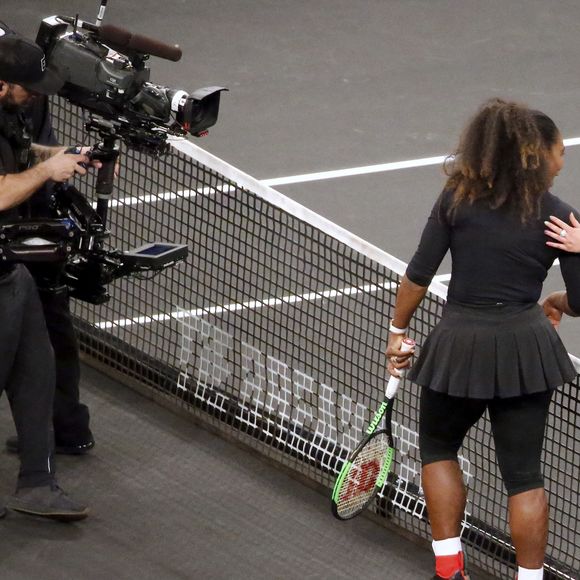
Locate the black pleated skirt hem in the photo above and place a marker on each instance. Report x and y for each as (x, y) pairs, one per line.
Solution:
(492, 351)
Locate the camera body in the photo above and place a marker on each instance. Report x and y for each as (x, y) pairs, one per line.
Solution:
(105, 72)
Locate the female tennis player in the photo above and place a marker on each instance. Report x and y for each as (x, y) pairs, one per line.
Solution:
(494, 348)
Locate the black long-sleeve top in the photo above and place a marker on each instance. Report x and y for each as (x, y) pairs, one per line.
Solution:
(495, 258)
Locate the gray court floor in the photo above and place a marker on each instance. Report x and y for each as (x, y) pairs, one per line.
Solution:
(171, 501)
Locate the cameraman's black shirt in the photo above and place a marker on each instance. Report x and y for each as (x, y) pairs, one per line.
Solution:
(14, 148)
(17, 132)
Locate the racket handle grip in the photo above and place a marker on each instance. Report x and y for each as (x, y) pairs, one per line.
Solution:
(393, 384)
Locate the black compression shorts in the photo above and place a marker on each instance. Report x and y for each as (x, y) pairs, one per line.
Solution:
(518, 426)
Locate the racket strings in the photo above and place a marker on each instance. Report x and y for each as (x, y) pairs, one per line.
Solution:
(358, 486)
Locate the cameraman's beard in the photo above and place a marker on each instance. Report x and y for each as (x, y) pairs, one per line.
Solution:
(10, 105)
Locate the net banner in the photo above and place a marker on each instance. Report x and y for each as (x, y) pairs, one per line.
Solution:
(274, 331)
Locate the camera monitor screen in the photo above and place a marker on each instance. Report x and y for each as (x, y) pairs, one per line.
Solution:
(155, 249)
(156, 254)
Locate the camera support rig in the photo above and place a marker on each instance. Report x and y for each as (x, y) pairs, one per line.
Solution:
(76, 236)
(107, 152)
(88, 273)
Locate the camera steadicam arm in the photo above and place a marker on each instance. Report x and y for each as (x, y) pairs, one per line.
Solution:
(89, 271)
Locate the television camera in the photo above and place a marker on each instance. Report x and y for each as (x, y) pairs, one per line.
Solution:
(106, 74)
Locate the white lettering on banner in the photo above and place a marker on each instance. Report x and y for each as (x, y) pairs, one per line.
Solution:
(213, 368)
(312, 406)
(351, 417)
(267, 383)
(253, 383)
(326, 413)
(186, 351)
(279, 395)
(304, 396)
(272, 394)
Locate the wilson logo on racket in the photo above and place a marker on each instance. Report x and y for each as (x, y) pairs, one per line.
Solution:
(369, 474)
(377, 419)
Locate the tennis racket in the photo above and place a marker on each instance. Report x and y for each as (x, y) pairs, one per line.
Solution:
(363, 474)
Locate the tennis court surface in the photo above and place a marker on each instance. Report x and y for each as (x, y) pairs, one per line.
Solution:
(171, 501)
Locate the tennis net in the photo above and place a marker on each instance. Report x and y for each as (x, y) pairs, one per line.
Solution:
(273, 332)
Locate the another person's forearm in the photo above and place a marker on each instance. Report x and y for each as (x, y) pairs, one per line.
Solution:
(563, 236)
(60, 166)
(559, 301)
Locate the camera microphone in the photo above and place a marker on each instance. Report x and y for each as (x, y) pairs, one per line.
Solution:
(107, 74)
(121, 38)
(115, 36)
(154, 47)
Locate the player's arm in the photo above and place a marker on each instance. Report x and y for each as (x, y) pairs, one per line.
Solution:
(409, 296)
(433, 246)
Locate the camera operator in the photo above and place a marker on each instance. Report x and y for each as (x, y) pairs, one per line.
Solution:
(72, 434)
(27, 369)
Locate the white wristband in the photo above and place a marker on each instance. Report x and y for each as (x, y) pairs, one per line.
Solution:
(396, 330)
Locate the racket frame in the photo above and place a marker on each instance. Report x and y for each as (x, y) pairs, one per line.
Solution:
(372, 432)
(385, 411)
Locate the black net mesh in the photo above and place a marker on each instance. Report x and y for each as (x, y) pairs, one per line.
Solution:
(274, 331)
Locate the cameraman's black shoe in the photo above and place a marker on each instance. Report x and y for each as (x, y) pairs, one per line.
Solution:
(61, 448)
(47, 501)
(459, 575)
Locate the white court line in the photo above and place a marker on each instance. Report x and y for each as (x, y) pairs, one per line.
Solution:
(412, 163)
(306, 177)
(251, 305)
(367, 169)
(169, 195)
(442, 278)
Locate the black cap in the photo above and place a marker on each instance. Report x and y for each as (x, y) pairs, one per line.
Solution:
(23, 62)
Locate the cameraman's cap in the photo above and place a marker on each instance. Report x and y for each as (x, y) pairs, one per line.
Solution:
(22, 62)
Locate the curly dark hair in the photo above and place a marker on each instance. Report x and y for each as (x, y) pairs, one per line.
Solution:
(501, 158)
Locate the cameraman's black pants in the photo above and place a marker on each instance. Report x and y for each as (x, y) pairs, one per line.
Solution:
(71, 417)
(27, 374)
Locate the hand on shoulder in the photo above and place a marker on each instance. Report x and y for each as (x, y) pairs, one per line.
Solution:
(563, 236)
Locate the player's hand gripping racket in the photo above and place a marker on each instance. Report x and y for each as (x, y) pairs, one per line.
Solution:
(363, 474)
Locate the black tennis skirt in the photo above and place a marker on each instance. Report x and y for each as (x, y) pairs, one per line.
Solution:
(483, 352)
